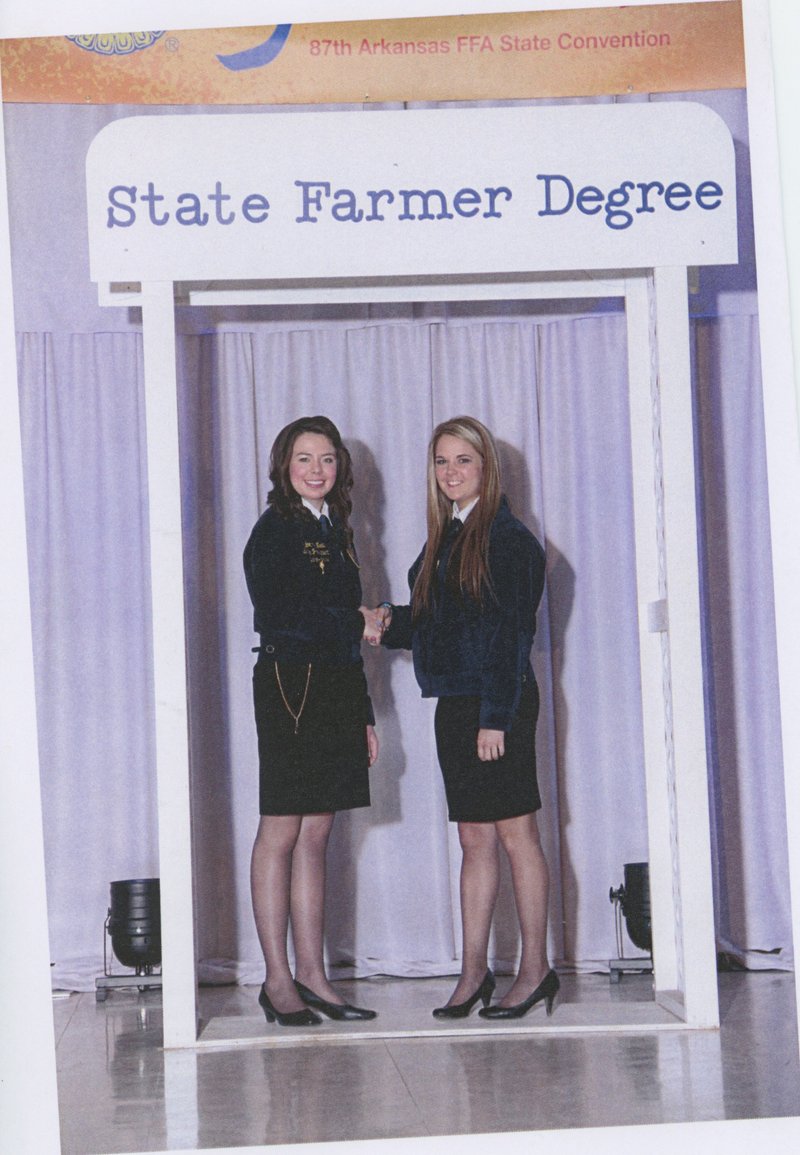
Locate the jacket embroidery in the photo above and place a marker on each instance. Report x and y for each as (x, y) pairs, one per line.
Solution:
(318, 553)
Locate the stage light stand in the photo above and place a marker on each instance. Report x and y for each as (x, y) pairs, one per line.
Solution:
(133, 924)
(632, 900)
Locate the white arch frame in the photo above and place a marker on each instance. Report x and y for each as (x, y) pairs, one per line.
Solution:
(143, 226)
(669, 622)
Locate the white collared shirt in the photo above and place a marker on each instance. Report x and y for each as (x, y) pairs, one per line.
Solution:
(318, 513)
(463, 514)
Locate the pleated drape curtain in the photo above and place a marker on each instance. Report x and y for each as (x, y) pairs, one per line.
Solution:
(555, 395)
(552, 384)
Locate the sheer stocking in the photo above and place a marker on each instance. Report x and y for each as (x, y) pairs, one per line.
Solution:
(479, 882)
(307, 904)
(531, 882)
(270, 885)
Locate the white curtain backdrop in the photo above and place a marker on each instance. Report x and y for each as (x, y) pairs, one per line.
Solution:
(552, 384)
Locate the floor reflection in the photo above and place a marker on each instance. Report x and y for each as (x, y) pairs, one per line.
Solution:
(120, 1092)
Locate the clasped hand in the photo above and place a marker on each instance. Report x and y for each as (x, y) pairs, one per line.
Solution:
(375, 623)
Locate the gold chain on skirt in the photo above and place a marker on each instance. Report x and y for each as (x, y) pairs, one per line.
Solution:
(298, 715)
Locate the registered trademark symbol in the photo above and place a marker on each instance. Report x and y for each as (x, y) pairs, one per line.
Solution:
(172, 44)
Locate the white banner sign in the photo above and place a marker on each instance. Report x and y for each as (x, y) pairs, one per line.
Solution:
(439, 191)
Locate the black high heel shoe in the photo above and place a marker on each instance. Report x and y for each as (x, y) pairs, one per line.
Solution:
(339, 1011)
(461, 1010)
(547, 989)
(304, 1018)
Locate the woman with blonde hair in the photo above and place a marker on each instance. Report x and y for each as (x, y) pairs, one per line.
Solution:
(475, 589)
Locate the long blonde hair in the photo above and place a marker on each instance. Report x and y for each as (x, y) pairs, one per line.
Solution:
(471, 551)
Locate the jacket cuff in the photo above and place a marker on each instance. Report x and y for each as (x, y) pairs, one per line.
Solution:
(492, 718)
(399, 633)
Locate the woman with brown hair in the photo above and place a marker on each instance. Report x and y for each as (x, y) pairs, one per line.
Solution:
(314, 718)
(475, 589)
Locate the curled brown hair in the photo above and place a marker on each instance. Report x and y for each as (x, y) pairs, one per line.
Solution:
(284, 497)
(471, 552)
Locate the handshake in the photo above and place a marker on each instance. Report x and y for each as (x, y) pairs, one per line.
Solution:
(376, 622)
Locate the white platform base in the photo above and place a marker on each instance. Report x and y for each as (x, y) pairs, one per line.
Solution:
(404, 1011)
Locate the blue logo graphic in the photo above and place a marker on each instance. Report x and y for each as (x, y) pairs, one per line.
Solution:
(260, 55)
(116, 43)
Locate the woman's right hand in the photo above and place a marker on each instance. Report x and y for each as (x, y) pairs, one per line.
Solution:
(491, 745)
(374, 624)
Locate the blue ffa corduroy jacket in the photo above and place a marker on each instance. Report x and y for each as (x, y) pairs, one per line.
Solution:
(305, 591)
(463, 647)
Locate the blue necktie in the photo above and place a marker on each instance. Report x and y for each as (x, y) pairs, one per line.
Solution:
(324, 526)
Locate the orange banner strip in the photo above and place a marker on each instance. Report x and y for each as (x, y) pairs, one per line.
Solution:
(577, 52)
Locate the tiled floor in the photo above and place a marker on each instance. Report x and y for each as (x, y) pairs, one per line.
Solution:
(120, 1092)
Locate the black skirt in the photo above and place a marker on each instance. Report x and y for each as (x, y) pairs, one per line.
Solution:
(487, 791)
(312, 738)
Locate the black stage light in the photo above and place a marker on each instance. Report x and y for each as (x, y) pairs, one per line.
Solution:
(632, 900)
(133, 924)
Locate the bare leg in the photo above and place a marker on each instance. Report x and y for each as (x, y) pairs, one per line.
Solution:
(270, 884)
(480, 879)
(308, 904)
(531, 881)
